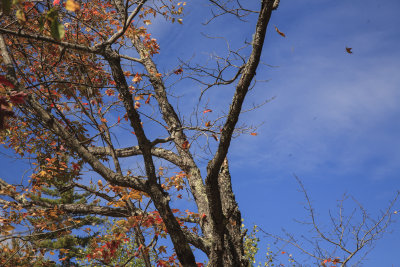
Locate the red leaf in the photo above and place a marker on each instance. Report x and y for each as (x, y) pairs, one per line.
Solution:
(18, 97)
(4, 81)
(76, 166)
(119, 119)
(253, 134)
(185, 144)
(207, 110)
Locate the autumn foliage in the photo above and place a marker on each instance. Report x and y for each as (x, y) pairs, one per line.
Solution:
(82, 98)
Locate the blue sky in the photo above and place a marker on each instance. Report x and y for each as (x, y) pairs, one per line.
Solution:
(334, 121)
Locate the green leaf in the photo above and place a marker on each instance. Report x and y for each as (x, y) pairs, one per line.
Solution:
(57, 30)
(6, 6)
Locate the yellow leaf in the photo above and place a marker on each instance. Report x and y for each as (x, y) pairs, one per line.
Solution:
(100, 183)
(20, 15)
(147, 22)
(42, 173)
(180, 21)
(71, 5)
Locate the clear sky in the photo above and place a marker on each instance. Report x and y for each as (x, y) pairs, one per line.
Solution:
(335, 119)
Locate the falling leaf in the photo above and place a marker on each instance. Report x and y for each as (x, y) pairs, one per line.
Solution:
(283, 252)
(72, 6)
(348, 50)
(207, 110)
(280, 33)
(253, 134)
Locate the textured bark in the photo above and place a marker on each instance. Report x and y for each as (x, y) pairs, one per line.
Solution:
(216, 201)
(221, 237)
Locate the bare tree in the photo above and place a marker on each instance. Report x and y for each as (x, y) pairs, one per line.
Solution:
(350, 236)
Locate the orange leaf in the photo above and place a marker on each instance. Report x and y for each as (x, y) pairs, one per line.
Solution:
(137, 78)
(348, 50)
(207, 110)
(148, 99)
(119, 119)
(253, 134)
(280, 33)
(71, 5)
(208, 124)
(137, 104)
(283, 252)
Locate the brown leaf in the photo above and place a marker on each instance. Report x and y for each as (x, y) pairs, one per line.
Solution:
(215, 137)
(185, 144)
(280, 33)
(348, 50)
(178, 71)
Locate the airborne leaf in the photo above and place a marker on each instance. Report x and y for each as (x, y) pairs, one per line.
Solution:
(280, 33)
